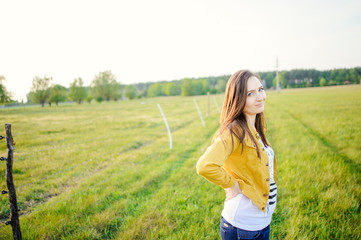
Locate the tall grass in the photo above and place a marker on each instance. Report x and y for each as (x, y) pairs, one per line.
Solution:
(104, 171)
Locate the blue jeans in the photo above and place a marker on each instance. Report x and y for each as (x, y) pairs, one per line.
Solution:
(228, 232)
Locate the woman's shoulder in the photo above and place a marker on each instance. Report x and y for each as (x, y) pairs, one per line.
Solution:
(229, 135)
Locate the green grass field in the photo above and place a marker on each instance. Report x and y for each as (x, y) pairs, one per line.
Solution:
(105, 171)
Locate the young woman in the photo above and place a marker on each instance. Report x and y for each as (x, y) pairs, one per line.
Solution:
(241, 161)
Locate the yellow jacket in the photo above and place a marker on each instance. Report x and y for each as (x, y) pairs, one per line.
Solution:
(223, 167)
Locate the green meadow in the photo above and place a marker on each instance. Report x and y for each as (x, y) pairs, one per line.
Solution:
(105, 170)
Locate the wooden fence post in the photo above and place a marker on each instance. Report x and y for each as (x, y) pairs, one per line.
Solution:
(14, 216)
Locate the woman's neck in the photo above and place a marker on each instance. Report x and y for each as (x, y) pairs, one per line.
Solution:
(251, 120)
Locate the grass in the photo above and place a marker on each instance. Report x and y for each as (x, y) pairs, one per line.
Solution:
(105, 171)
(315, 135)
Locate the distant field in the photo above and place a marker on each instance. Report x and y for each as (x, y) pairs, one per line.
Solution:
(101, 171)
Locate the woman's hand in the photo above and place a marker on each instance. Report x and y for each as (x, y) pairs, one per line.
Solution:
(232, 191)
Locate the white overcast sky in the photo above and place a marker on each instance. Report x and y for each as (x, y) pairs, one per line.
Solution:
(142, 40)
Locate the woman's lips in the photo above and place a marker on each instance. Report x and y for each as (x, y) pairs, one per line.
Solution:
(259, 105)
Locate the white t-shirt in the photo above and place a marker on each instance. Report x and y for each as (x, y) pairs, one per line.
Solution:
(243, 213)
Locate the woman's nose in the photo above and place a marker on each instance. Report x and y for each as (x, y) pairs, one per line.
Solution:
(259, 97)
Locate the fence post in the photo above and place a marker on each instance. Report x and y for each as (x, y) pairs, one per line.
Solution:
(14, 216)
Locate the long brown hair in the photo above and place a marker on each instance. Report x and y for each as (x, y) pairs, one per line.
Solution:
(232, 116)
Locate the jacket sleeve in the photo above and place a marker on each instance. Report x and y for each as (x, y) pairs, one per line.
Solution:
(210, 163)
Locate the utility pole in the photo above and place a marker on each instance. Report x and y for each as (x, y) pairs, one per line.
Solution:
(278, 80)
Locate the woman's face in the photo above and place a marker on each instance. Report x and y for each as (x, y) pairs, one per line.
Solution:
(256, 97)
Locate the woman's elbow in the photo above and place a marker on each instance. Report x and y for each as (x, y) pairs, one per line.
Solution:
(202, 168)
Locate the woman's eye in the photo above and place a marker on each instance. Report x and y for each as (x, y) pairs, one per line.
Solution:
(250, 94)
(261, 89)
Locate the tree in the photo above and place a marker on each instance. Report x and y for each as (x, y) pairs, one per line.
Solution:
(77, 91)
(130, 91)
(221, 85)
(89, 98)
(331, 82)
(39, 92)
(155, 90)
(5, 96)
(282, 79)
(353, 76)
(142, 88)
(322, 82)
(206, 87)
(116, 92)
(163, 91)
(142, 93)
(57, 94)
(105, 86)
(268, 77)
(197, 88)
(173, 89)
(191, 87)
(187, 87)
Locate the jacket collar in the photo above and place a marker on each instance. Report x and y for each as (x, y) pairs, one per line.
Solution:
(248, 140)
(253, 131)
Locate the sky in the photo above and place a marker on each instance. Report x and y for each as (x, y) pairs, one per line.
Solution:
(142, 40)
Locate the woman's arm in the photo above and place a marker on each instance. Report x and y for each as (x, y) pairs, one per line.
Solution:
(210, 163)
(232, 191)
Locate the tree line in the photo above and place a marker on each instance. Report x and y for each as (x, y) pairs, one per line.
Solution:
(5, 95)
(312, 78)
(296, 78)
(104, 86)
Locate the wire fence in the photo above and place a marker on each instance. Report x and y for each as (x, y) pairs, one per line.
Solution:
(94, 159)
(110, 156)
